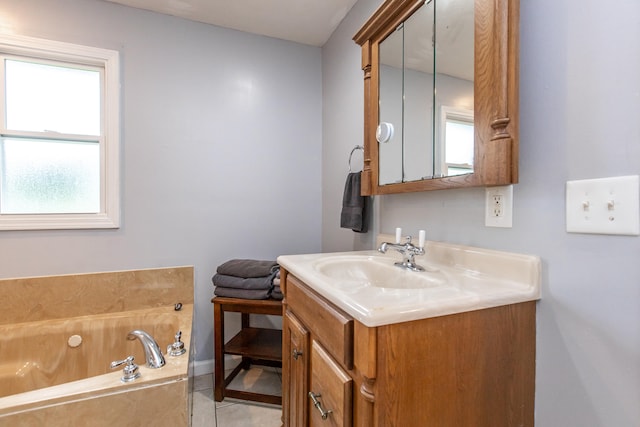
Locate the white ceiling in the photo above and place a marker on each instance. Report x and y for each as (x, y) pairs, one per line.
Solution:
(309, 22)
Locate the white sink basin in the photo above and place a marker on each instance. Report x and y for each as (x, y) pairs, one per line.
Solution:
(377, 271)
(367, 285)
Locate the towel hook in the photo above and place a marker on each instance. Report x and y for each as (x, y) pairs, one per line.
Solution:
(357, 147)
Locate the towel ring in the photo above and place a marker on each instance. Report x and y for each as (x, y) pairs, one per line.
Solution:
(357, 147)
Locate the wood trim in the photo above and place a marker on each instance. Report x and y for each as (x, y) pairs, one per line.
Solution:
(385, 19)
(365, 360)
(366, 176)
(365, 348)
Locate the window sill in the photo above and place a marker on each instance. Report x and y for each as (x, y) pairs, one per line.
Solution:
(59, 221)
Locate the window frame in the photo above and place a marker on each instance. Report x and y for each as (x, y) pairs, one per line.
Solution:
(109, 139)
(450, 113)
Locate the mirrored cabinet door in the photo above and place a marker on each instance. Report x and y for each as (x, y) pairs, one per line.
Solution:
(405, 101)
(454, 94)
(426, 94)
(419, 87)
(441, 95)
(390, 104)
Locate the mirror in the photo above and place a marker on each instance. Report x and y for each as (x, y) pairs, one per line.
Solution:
(406, 89)
(441, 89)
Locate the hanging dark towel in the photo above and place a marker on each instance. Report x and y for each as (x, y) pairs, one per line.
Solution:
(354, 206)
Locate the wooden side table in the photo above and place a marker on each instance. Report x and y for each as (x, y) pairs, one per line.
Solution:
(258, 346)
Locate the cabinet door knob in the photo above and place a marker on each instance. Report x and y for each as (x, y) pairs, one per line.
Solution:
(295, 353)
(314, 398)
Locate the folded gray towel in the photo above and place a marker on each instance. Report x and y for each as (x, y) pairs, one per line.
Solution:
(242, 293)
(354, 206)
(243, 283)
(247, 268)
(276, 293)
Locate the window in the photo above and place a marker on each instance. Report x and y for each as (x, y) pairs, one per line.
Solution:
(457, 134)
(59, 135)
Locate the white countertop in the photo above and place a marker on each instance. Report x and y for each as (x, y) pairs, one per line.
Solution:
(463, 279)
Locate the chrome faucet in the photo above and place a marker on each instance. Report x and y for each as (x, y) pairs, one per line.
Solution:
(152, 351)
(408, 251)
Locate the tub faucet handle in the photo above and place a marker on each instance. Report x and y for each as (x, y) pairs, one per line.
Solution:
(177, 348)
(130, 370)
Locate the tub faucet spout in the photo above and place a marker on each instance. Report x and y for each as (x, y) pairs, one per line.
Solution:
(152, 351)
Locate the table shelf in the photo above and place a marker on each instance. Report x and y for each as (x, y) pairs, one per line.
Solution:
(256, 346)
(259, 343)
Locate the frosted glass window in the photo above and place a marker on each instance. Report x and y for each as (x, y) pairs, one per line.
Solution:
(59, 135)
(42, 97)
(49, 176)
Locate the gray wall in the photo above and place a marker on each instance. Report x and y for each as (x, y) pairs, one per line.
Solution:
(580, 110)
(215, 124)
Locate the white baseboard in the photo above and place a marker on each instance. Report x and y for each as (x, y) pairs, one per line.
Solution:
(202, 367)
(205, 367)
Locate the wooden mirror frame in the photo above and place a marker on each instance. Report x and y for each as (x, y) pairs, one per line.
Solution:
(496, 85)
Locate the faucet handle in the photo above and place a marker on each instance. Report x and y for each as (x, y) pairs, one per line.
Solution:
(129, 360)
(177, 348)
(130, 370)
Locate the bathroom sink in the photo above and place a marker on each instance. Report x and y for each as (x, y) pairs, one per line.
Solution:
(370, 288)
(359, 271)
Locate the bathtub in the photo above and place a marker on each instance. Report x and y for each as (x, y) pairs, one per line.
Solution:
(55, 369)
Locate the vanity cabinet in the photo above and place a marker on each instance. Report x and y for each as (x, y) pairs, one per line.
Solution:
(475, 368)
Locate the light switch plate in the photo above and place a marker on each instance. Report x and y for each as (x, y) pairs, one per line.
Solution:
(604, 206)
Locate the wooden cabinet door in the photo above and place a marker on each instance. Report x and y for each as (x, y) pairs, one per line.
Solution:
(295, 370)
(330, 394)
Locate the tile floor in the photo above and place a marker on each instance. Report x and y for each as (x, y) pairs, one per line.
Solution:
(234, 412)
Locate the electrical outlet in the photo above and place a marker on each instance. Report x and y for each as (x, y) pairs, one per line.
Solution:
(499, 206)
(497, 209)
